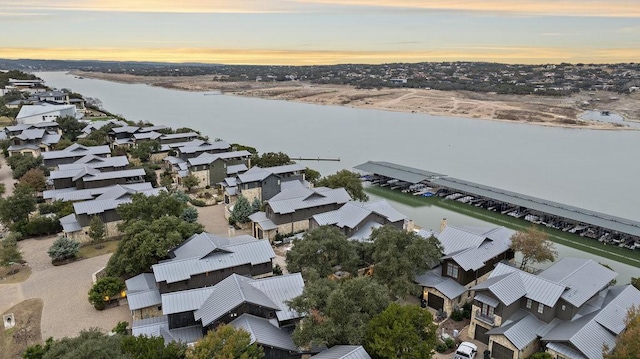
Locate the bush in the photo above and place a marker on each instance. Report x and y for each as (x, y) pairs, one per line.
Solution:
(441, 347)
(541, 355)
(190, 214)
(450, 343)
(466, 311)
(63, 248)
(121, 328)
(197, 202)
(37, 226)
(457, 315)
(104, 290)
(60, 208)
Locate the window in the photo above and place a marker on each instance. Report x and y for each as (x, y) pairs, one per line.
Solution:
(452, 270)
(529, 303)
(159, 307)
(540, 308)
(487, 310)
(564, 307)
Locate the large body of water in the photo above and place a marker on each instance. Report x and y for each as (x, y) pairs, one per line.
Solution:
(597, 170)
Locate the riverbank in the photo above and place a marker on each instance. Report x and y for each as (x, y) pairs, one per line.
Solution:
(538, 110)
(615, 253)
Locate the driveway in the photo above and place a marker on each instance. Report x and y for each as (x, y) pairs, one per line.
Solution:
(6, 177)
(64, 292)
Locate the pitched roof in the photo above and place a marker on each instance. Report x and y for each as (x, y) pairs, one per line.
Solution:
(190, 260)
(217, 145)
(208, 158)
(159, 327)
(144, 299)
(282, 289)
(447, 286)
(73, 194)
(36, 110)
(392, 170)
(351, 214)
(520, 329)
(95, 162)
(295, 196)
(179, 135)
(185, 300)
(76, 150)
(583, 278)
(70, 223)
(260, 218)
(343, 352)
(264, 333)
(116, 196)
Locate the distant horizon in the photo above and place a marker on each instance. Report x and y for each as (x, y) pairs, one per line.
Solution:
(323, 32)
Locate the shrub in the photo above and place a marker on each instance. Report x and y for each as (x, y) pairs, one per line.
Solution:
(207, 187)
(190, 214)
(121, 328)
(457, 315)
(37, 226)
(105, 289)
(277, 270)
(541, 355)
(450, 343)
(441, 347)
(197, 202)
(63, 248)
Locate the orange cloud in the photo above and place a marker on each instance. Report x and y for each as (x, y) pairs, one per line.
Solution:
(525, 55)
(614, 8)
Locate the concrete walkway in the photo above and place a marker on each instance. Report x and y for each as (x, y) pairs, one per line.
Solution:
(64, 292)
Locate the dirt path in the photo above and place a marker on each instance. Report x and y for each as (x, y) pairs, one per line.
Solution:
(6, 177)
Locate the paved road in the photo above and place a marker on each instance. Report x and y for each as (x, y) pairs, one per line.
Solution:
(64, 292)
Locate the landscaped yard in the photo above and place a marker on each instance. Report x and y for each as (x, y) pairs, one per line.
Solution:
(621, 255)
(8, 275)
(93, 250)
(26, 332)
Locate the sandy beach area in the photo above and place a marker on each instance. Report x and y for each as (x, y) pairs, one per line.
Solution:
(539, 110)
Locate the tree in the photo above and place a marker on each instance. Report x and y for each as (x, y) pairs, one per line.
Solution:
(338, 312)
(150, 175)
(226, 342)
(311, 175)
(144, 347)
(90, 343)
(97, 230)
(401, 332)
(71, 127)
(17, 208)
(190, 181)
(9, 252)
(322, 249)
(399, 256)
(272, 159)
(149, 208)
(534, 245)
(145, 242)
(63, 248)
(38, 351)
(190, 214)
(166, 180)
(635, 281)
(241, 210)
(255, 205)
(34, 179)
(239, 147)
(62, 144)
(121, 328)
(628, 342)
(20, 164)
(104, 290)
(348, 180)
(144, 150)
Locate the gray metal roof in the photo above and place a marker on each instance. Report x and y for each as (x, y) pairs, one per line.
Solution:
(253, 252)
(520, 329)
(508, 287)
(392, 170)
(343, 352)
(76, 150)
(112, 201)
(179, 135)
(125, 129)
(282, 289)
(584, 334)
(159, 327)
(617, 303)
(153, 128)
(264, 333)
(148, 135)
(447, 286)
(208, 158)
(535, 288)
(144, 299)
(217, 145)
(234, 169)
(70, 223)
(614, 223)
(95, 162)
(297, 196)
(261, 219)
(565, 350)
(185, 300)
(141, 282)
(486, 299)
(114, 174)
(229, 294)
(583, 278)
(73, 194)
(351, 214)
(364, 233)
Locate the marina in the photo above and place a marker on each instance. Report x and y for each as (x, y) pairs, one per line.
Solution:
(598, 226)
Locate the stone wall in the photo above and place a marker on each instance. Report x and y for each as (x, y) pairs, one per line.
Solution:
(253, 193)
(82, 236)
(203, 176)
(449, 304)
(293, 227)
(148, 312)
(533, 347)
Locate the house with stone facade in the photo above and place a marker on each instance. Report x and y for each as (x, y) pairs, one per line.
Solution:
(32, 140)
(290, 210)
(260, 183)
(73, 153)
(468, 256)
(343, 352)
(569, 310)
(212, 169)
(356, 220)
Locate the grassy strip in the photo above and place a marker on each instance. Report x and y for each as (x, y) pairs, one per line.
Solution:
(622, 255)
(94, 250)
(26, 331)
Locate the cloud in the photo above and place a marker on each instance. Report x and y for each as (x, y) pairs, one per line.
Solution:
(529, 55)
(596, 8)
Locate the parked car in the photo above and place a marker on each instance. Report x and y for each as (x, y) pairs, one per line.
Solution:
(466, 350)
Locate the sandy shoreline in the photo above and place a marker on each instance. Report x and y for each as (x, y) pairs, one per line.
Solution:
(538, 110)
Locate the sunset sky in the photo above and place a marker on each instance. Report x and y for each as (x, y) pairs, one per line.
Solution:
(322, 31)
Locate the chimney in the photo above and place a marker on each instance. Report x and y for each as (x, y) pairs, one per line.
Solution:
(443, 224)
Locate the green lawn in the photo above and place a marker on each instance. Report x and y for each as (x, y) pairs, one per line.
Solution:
(622, 255)
(93, 250)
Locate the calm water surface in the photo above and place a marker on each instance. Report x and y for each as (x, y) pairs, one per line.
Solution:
(598, 170)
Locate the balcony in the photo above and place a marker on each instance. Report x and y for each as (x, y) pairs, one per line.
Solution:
(489, 319)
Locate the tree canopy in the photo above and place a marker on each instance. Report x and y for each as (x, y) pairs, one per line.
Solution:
(190, 181)
(97, 230)
(20, 164)
(71, 127)
(400, 255)
(350, 181)
(311, 175)
(534, 245)
(16, 208)
(628, 342)
(34, 179)
(145, 149)
(149, 208)
(271, 159)
(401, 332)
(242, 209)
(105, 289)
(338, 312)
(145, 242)
(226, 342)
(322, 250)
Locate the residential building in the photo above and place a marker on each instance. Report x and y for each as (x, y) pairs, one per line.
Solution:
(143, 296)
(87, 177)
(357, 220)
(211, 169)
(33, 141)
(260, 183)
(343, 352)
(195, 149)
(290, 210)
(205, 259)
(73, 153)
(31, 114)
(569, 310)
(468, 256)
(31, 86)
